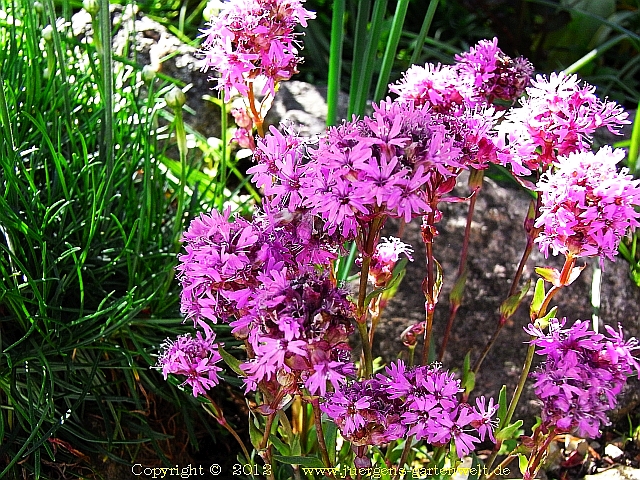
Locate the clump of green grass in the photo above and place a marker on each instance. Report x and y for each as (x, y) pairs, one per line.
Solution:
(88, 242)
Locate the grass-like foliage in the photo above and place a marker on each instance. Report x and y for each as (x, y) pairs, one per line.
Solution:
(88, 241)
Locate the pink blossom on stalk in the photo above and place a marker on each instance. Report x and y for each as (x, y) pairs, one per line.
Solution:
(364, 413)
(418, 401)
(194, 358)
(558, 117)
(439, 86)
(479, 76)
(300, 326)
(385, 257)
(582, 374)
(251, 39)
(494, 74)
(587, 205)
(378, 166)
(226, 255)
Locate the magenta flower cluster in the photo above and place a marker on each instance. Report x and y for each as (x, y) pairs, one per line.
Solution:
(558, 116)
(587, 205)
(253, 39)
(410, 401)
(377, 166)
(479, 77)
(259, 276)
(298, 331)
(194, 358)
(226, 254)
(582, 374)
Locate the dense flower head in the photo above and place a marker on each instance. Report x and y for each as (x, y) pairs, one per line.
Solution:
(251, 39)
(365, 413)
(299, 325)
(558, 116)
(473, 132)
(582, 374)
(441, 87)
(587, 205)
(378, 166)
(420, 401)
(479, 77)
(225, 256)
(494, 74)
(192, 357)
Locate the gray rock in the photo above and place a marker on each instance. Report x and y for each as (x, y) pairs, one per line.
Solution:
(619, 472)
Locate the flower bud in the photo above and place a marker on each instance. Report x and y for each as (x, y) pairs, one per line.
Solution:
(242, 118)
(410, 335)
(38, 7)
(91, 6)
(47, 33)
(46, 73)
(148, 73)
(175, 98)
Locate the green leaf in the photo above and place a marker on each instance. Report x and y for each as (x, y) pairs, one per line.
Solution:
(432, 297)
(468, 375)
(511, 304)
(313, 462)
(538, 298)
(523, 462)
(475, 468)
(330, 430)
(544, 321)
(397, 275)
(231, 361)
(282, 447)
(502, 403)
(254, 432)
(510, 432)
(550, 274)
(296, 448)
(455, 297)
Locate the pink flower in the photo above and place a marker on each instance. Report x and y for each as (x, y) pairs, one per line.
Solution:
(479, 76)
(194, 358)
(587, 206)
(558, 117)
(251, 39)
(385, 257)
(581, 376)
(494, 74)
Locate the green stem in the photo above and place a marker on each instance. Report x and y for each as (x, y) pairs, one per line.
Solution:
(257, 115)
(454, 303)
(593, 54)
(335, 61)
(428, 18)
(404, 455)
(359, 46)
(370, 241)
(369, 58)
(566, 270)
(366, 348)
(634, 146)
(107, 85)
(216, 412)
(181, 140)
(390, 51)
(534, 462)
(324, 453)
(222, 169)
